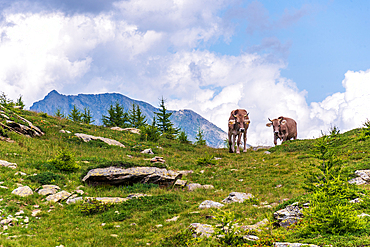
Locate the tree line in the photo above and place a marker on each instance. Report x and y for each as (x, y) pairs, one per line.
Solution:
(161, 125)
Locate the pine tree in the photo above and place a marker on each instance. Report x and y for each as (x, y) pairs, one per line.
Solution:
(86, 116)
(20, 102)
(116, 117)
(136, 117)
(200, 138)
(59, 113)
(164, 123)
(75, 115)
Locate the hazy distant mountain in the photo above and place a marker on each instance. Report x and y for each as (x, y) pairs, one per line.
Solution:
(187, 120)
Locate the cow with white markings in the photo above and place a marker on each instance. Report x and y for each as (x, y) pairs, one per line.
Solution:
(238, 125)
(284, 128)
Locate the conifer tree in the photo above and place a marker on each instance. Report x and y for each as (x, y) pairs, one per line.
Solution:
(20, 102)
(116, 117)
(75, 115)
(200, 138)
(136, 117)
(59, 113)
(86, 116)
(164, 123)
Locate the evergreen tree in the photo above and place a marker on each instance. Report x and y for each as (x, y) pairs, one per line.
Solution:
(150, 132)
(116, 117)
(59, 113)
(200, 138)
(75, 115)
(164, 123)
(136, 117)
(183, 137)
(86, 116)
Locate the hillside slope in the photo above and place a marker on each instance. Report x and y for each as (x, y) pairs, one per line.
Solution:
(187, 120)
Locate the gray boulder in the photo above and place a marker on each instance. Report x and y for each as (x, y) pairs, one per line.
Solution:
(116, 175)
(210, 204)
(288, 216)
(23, 191)
(8, 164)
(237, 197)
(201, 230)
(87, 138)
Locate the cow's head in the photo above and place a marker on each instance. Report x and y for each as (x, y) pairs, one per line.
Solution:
(239, 119)
(276, 124)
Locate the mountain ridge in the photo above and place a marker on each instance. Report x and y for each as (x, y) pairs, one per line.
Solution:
(186, 119)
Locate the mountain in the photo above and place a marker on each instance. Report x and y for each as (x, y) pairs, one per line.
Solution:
(187, 120)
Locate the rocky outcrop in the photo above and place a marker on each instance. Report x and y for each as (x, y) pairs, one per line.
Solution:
(201, 230)
(289, 215)
(87, 138)
(8, 164)
(237, 197)
(23, 191)
(115, 176)
(363, 177)
(132, 130)
(210, 204)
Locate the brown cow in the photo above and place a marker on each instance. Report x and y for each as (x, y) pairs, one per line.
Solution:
(238, 125)
(284, 128)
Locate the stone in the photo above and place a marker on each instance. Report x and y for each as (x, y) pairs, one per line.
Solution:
(157, 159)
(8, 164)
(132, 130)
(173, 219)
(279, 244)
(237, 197)
(357, 181)
(363, 215)
(116, 176)
(201, 230)
(208, 187)
(210, 204)
(356, 200)
(87, 138)
(251, 238)
(186, 172)
(193, 186)
(74, 200)
(48, 190)
(181, 183)
(60, 196)
(20, 173)
(136, 195)
(35, 212)
(288, 216)
(108, 199)
(23, 191)
(147, 151)
(364, 174)
(255, 227)
(267, 152)
(6, 221)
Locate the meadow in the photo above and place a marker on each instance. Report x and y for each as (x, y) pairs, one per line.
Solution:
(277, 178)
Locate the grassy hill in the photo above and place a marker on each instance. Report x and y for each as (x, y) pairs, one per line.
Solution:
(274, 178)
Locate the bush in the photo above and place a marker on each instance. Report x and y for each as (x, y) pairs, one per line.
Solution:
(46, 178)
(94, 206)
(3, 132)
(207, 160)
(64, 161)
(183, 137)
(149, 133)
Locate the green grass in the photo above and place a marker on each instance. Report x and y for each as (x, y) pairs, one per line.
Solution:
(252, 172)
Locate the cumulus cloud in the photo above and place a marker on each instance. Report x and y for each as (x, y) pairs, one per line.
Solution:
(147, 50)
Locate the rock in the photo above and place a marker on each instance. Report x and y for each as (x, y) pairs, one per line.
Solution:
(237, 197)
(357, 181)
(202, 230)
(180, 183)
(115, 176)
(364, 174)
(186, 172)
(147, 151)
(74, 200)
(193, 186)
(210, 204)
(251, 237)
(288, 216)
(255, 227)
(278, 244)
(6, 221)
(173, 219)
(87, 138)
(8, 164)
(136, 195)
(108, 199)
(267, 152)
(356, 200)
(20, 173)
(65, 131)
(363, 215)
(132, 130)
(36, 212)
(48, 190)
(208, 187)
(23, 191)
(60, 196)
(157, 159)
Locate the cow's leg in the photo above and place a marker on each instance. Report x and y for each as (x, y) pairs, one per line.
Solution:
(238, 143)
(275, 140)
(245, 142)
(231, 143)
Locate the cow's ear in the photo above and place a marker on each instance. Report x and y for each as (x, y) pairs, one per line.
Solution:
(283, 122)
(231, 121)
(269, 124)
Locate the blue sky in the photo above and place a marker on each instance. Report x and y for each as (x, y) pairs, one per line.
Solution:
(302, 59)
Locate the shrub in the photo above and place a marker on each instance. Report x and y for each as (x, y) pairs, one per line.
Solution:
(94, 206)
(207, 160)
(64, 161)
(183, 137)
(46, 178)
(149, 133)
(3, 132)
(227, 228)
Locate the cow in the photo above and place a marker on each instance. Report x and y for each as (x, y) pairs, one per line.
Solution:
(238, 125)
(284, 128)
